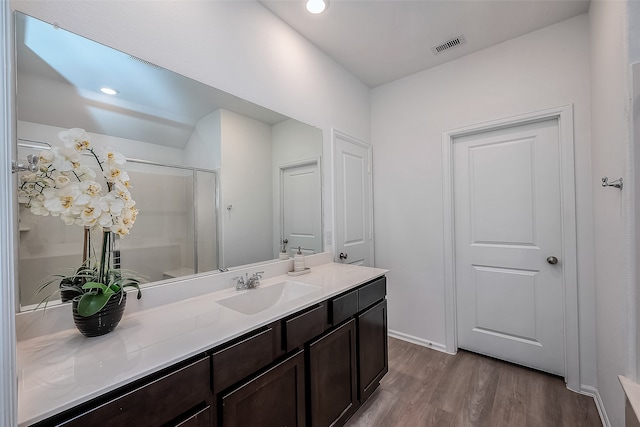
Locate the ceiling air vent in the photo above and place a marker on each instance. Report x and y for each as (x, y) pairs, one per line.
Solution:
(449, 44)
(142, 61)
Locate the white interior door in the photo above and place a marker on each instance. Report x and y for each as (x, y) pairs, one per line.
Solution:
(301, 208)
(508, 236)
(354, 244)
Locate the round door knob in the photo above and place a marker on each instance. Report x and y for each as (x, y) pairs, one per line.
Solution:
(343, 255)
(552, 260)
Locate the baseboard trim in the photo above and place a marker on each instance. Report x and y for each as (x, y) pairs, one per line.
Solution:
(593, 392)
(419, 341)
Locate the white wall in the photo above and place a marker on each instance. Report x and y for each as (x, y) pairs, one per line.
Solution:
(610, 152)
(203, 150)
(245, 178)
(540, 70)
(131, 148)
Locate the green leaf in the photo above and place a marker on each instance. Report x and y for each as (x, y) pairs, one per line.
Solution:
(95, 285)
(90, 304)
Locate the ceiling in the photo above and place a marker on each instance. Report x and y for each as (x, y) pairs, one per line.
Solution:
(379, 41)
(60, 74)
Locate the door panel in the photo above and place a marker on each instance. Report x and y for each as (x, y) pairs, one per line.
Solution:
(301, 208)
(494, 222)
(507, 222)
(353, 202)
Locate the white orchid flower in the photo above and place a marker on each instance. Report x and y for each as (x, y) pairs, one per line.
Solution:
(123, 186)
(37, 207)
(116, 174)
(124, 195)
(85, 173)
(105, 220)
(65, 188)
(111, 157)
(75, 138)
(68, 218)
(90, 188)
(28, 177)
(45, 157)
(66, 159)
(112, 204)
(45, 182)
(29, 187)
(65, 200)
(120, 229)
(90, 213)
(61, 181)
(128, 217)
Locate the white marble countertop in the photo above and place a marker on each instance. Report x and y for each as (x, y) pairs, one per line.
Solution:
(61, 370)
(632, 391)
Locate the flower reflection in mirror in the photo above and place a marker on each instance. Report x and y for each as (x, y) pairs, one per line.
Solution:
(65, 188)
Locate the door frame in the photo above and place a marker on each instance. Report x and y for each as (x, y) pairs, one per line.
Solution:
(564, 116)
(334, 134)
(317, 161)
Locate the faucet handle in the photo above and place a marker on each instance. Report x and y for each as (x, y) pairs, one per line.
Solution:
(240, 279)
(258, 274)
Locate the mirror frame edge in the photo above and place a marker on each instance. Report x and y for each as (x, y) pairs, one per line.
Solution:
(8, 224)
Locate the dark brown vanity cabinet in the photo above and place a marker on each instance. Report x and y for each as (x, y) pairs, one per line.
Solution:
(333, 393)
(347, 364)
(314, 367)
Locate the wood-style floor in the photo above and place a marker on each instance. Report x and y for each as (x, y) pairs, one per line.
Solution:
(426, 387)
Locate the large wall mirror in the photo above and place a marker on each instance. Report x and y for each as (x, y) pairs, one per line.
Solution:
(219, 182)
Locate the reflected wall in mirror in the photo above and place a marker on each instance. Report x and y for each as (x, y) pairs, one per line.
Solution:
(219, 182)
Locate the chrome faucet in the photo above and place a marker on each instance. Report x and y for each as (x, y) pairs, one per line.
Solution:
(248, 282)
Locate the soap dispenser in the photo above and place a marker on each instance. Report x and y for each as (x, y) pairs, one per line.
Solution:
(298, 261)
(283, 252)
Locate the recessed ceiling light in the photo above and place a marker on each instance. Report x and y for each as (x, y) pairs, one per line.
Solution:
(317, 6)
(109, 91)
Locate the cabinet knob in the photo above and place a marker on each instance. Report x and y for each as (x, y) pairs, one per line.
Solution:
(343, 255)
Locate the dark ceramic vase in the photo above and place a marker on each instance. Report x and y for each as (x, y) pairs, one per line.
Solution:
(103, 321)
(69, 293)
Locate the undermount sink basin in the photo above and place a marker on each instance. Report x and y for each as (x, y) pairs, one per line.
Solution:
(256, 300)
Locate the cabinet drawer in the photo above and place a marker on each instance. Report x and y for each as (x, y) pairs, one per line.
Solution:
(343, 307)
(305, 326)
(372, 293)
(238, 361)
(156, 403)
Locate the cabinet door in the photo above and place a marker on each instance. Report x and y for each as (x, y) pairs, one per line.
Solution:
(275, 398)
(332, 376)
(200, 419)
(373, 361)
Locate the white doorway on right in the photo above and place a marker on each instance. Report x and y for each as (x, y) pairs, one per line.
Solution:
(353, 201)
(508, 244)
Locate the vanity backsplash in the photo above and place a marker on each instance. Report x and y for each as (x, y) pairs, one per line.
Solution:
(56, 318)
